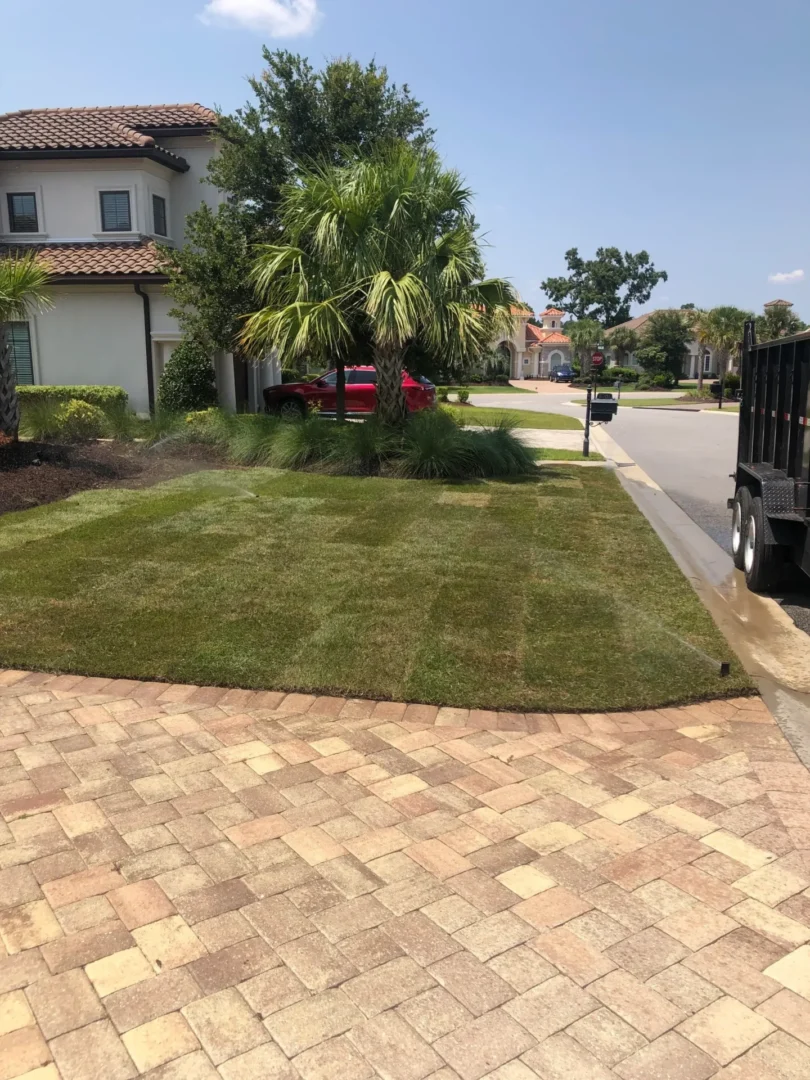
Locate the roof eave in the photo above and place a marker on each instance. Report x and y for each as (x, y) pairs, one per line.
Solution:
(178, 132)
(154, 153)
(107, 279)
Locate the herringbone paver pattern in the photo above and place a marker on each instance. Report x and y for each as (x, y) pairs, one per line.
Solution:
(200, 883)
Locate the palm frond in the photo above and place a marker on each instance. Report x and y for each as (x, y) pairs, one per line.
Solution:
(23, 286)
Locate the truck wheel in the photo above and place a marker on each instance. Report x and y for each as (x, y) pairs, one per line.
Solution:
(761, 562)
(740, 514)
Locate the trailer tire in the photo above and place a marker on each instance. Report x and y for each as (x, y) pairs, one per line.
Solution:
(762, 563)
(739, 518)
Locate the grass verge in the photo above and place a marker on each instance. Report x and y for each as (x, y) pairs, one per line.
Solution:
(487, 389)
(491, 595)
(519, 417)
(548, 453)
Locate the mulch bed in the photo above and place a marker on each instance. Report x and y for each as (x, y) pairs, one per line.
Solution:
(32, 474)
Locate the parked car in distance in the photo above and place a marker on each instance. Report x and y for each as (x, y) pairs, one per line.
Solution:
(562, 374)
(294, 400)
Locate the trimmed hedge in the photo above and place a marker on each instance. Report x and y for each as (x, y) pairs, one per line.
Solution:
(105, 397)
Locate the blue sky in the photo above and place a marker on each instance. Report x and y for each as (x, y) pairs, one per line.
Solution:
(679, 127)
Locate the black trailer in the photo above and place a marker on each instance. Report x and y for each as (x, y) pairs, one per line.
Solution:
(770, 508)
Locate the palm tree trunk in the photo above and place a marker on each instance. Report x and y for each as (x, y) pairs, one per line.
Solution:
(391, 407)
(9, 402)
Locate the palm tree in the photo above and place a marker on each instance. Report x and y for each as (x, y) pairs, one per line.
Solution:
(585, 335)
(384, 250)
(23, 289)
(623, 341)
(721, 329)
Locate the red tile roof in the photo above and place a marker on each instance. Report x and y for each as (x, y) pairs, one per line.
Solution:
(77, 261)
(108, 127)
(552, 311)
(778, 303)
(536, 337)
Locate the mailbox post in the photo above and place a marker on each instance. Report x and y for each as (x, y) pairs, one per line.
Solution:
(586, 445)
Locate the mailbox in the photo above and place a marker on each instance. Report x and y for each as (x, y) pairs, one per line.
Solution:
(603, 411)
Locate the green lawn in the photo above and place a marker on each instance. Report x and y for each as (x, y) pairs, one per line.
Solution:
(548, 453)
(488, 389)
(522, 417)
(505, 595)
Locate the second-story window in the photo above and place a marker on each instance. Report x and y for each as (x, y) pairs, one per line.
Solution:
(115, 211)
(22, 212)
(159, 215)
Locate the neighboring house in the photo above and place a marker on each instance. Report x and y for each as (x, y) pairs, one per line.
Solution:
(94, 190)
(532, 352)
(698, 354)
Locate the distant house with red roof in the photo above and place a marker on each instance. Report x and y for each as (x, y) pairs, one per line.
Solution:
(533, 352)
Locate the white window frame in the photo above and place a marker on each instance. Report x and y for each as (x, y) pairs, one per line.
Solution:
(134, 230)
(707, 362)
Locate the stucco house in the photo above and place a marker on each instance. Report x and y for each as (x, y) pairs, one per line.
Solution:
(532, 352)
(698, 354)
(95, 190)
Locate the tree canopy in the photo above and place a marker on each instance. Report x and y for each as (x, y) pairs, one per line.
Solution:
(778, 322)
(605, 287)
(665, 343)
(722, 329)
(299, 118)
(623, 341)
(585, 335)
(383, 251)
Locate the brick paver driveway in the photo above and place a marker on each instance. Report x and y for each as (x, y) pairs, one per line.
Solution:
(200, 883)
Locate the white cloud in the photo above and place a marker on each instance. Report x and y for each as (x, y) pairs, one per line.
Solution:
(788, 278)
(278, 18)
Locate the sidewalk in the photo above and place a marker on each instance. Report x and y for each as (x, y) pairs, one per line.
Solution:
(201, 883)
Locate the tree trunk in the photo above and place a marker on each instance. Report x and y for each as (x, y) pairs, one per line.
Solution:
(9, 402)
(340, 386)
(701, 362)
(391, 407)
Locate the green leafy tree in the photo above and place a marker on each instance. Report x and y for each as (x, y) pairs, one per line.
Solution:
(623, 341)
(385, 250)
(665, 343)
(605, 287)
(299, 117)
(585, 335)
(778, 322)
(23, 290)
(187, 383)
(721, 329)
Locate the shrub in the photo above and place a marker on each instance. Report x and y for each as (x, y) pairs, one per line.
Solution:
(121, 422)
(38, 419)
(251, 439)
(475, 379)
(443, 395)
(499, 452)
(501, 380)
(187, 383)
(210, 426)
(435, 447)
(106, 397)
(308, 442)
(463, 395)
(626, 374)
(663, 380)
(362, 448)
(78, 421)
(733, 381)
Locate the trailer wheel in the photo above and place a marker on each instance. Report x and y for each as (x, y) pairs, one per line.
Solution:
(761, 562)
(740, 514)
